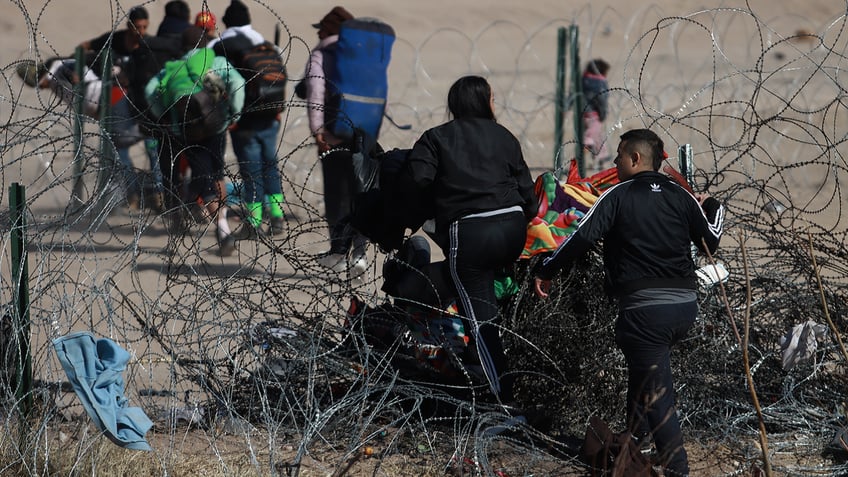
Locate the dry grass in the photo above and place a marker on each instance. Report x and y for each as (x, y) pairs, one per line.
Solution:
(77, 449)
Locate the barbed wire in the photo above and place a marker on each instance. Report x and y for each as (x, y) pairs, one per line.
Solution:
(263, 341)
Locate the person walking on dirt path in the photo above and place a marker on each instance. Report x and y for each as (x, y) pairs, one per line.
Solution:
(255, 137)
(595, 90)
(124, 125)
(347, 246)
(204, 153)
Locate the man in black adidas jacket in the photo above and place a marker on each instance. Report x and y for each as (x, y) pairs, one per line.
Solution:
(647, 223)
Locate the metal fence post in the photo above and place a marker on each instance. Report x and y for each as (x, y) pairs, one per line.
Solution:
(684, 159)
(20, 270)
(684, 163)
(79, 97)
(559, 105)
(577, 94)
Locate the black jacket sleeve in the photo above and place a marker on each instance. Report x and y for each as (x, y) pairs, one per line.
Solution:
(593, 226)
(526, 187)
(422, 163)
(709, 222)
(570, 250)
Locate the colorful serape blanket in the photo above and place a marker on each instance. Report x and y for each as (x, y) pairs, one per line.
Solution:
(562, 205)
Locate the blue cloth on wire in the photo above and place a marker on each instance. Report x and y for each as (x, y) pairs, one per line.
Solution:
(94, 368)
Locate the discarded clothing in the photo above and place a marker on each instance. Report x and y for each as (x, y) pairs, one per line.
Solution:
(561, 206)
(800, 344)
(94, 368)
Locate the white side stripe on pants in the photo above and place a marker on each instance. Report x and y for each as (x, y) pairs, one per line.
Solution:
(485, 358)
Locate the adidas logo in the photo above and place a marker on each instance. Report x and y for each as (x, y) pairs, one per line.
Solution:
(655, 188)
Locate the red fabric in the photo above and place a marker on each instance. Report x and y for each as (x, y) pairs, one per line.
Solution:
(117, 95)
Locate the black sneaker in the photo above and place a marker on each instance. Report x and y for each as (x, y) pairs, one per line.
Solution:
(645, 443)
(248, 232)
(276, 226)
(175, 223)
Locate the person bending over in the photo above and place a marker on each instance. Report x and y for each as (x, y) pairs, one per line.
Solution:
(474, 171)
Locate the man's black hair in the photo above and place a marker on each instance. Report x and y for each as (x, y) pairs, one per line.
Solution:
(178, 9)
(648, 138)
(597, 67)
(470, 97)
(138, 13)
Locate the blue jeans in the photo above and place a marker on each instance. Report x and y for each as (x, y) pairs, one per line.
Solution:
(256, 151)
(125, 132)
(151, 147)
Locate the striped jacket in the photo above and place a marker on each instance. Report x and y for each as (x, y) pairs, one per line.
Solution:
(647, 224)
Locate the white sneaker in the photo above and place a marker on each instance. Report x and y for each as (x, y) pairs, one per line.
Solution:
(334, 261)
(358, 267)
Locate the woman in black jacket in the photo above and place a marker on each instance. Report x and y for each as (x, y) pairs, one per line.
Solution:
(473, 170)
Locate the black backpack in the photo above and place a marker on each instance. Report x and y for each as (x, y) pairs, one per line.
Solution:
(265, 75)
(263, 70)
(383, 209)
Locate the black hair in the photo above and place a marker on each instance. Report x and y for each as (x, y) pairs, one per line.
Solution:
(648, 142)
(470, 97)
(597, 67)
(138, 13)
(236, 14)
(194, 37)
(178, 9)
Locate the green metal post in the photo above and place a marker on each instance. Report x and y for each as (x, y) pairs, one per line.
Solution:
(23, 377)
(79, 95)
(577, 94)
(559, 105)
(106, 126)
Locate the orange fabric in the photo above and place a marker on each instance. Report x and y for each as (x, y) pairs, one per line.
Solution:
(562, 205)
